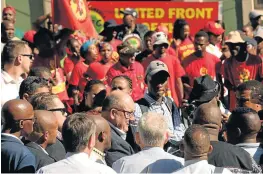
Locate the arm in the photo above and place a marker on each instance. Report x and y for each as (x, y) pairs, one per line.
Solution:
(40, 20)
(180, 87)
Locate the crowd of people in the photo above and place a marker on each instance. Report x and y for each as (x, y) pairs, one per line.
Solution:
(131, 100)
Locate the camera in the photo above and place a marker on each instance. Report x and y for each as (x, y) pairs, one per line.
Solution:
(189, 109)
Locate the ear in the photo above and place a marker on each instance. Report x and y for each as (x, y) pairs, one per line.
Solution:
(21, 124)
(19, 59)
(137, 138)
(92, 141)
(181, 146)
(238, 132)
(113, 113)
(26, 97)
(166, 137)
(210, 149)
(101, 137)
(46, 135)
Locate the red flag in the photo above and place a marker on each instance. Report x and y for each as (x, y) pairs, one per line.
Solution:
(73, 14)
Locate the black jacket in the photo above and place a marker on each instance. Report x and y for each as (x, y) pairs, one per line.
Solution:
(42, 159)
(140, 29)
(119, 147)
(56, 151)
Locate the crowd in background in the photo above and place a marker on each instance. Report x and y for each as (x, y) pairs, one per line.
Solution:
(131, 100)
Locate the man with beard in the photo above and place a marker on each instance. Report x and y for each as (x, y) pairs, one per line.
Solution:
(16, 60)
(241, 67)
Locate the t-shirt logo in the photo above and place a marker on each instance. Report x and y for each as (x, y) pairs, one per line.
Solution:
(203, 71)
(244, 75)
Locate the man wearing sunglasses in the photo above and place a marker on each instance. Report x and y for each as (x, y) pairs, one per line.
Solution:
(16, 60)
(176, 71)
(18, 119)
(118, 109)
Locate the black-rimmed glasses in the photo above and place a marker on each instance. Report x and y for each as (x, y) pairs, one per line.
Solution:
(62, 110)
(25, 119)
(30, 56)
(127, 114)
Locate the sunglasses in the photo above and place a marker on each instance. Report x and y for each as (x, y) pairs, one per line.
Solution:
(30, 56)
(32, 119)
(62, 110)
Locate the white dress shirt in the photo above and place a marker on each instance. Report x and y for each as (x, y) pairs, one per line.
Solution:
(213, 49)
(76, 163)
(253, 149)
(201, 167)
(9, 87)
(149, 160)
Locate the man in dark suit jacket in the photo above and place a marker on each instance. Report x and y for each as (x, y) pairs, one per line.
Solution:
(45, 132)
(18, 119)
(118, 109)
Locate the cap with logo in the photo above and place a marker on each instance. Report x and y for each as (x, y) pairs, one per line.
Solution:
(126, 49)
(214, 28)
(159, 38)
(130, 11)
(155, 67)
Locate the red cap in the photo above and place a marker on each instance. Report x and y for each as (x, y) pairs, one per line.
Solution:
(96, 71)
(214, 28)
(9, 8)
(29, 36)
(162, 28)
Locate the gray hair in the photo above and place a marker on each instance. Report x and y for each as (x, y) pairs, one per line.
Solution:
(152, 128)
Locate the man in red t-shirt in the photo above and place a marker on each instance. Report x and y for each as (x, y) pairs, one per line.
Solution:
(241, 67)
(175, 86)
(129, 67)
(199, 63)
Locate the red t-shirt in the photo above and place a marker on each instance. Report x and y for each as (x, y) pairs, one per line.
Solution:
(196, 66)
(175, 71)
(135, 72)
(77, 76)
(69, 65)
(185, 48)
(238, 72)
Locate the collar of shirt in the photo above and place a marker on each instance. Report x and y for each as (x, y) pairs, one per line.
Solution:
(80, 157)
(10, 135)
(248, 145)
(8, 79)
(153, 148)
(123, 134)
(123, 69)
(151, 100)
(201, 162)
(43, 149)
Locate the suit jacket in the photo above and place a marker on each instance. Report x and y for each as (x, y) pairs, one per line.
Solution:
(15, 157)
(56, 151)
(119, 147)
(42, 159)
(149, 160)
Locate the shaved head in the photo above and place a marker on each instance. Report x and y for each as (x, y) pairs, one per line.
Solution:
(16, 115)
(207, 113)
(45, 122)
(101, 123)
(248, 123)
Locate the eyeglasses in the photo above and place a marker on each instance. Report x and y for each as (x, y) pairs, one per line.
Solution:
(30, 56)
(32, 119)
(62, 110)
(127, 114)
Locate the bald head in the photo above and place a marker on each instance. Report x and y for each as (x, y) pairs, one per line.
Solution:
(207, 113)
(117, 99)
(101, 123)
(196, 142)
(45, 127)
(14, 110)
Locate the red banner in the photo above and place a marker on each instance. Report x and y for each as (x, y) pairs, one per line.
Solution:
(154, 13)
(73, 14)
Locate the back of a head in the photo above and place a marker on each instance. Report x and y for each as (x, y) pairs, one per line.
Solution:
(201, 34)
(42, 101)
(45, 119)
(11, 50)
(196, 141)
(246, 119)
(249, 85)
(31, 84)
(207, 113)
(77, 131)
(37, 71)
(152, 128)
